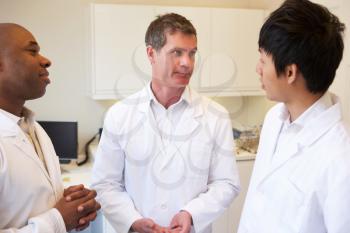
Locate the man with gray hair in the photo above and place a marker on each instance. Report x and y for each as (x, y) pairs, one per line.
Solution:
(165, 162)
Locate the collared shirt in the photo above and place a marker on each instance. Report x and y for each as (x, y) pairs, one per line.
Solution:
(167, 119)
(26, 123)
(11, 116)
(289, 130)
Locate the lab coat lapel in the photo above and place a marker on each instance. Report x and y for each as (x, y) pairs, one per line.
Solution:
(310, 133)
(19, 140)
(306, 137)
(11, 131)
(189, 123)
(268, 144)
(187, 128)
(48, 152)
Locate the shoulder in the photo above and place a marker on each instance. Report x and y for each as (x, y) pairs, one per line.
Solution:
(128, 104)
(275, 111)
(209, 106)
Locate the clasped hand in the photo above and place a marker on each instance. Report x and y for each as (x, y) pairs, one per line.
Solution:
(78, 207)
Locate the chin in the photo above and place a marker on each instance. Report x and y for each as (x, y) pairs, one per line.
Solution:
(37, 95)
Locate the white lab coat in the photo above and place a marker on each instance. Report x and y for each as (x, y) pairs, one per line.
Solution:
(308, 191)
(27, 191)
(198, 173)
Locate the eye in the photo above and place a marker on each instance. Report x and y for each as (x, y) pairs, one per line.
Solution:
(33, 52)
(192, 54)
(177, 53)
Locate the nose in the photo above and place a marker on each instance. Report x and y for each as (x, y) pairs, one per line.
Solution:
(186, 61)
(258, 69)
(45, 62)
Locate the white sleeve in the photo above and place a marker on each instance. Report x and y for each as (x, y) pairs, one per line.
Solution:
(223, 182)
(48, 222)
(337, 204)
(108, 180)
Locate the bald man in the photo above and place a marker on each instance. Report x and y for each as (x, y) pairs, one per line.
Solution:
(32, 198)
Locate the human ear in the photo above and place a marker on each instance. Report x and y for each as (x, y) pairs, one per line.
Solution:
(291, 73)
(150, 54)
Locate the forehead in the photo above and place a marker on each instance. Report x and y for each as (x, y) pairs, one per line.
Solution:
(179, 39)
(16, 37)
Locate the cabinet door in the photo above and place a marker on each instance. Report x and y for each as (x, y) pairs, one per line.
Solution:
(120, 64)
(200, 18)
(235, 34)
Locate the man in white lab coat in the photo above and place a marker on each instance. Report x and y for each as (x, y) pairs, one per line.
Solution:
(301, 178)
(32, 199)
(165, 162)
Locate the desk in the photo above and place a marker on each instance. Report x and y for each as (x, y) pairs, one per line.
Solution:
(73, 174)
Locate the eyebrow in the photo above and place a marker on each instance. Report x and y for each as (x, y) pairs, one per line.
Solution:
(33, 43)
(182, 49)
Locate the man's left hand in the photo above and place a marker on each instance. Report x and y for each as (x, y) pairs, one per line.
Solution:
(79, 191)
(182, 222)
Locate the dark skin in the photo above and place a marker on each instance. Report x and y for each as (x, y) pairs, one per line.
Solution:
(24, 76)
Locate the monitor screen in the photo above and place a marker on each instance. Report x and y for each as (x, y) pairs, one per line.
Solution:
(64, 137)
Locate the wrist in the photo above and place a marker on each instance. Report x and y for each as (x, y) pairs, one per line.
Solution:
(188, 214)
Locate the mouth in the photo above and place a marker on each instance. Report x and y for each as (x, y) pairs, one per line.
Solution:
(183, 75)
(45, 75)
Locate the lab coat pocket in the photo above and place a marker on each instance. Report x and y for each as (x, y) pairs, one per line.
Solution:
(283, 203)
(293, 205)
(199, 158)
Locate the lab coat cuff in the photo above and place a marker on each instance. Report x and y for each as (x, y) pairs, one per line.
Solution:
(131, 219)
(197, 218)
(49, 222)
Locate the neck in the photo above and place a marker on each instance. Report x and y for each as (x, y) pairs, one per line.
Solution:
(166, 96)
(13, 106)
(300, 104)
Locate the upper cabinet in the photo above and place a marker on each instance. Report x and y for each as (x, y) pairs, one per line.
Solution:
(225, 62)
(234, 51)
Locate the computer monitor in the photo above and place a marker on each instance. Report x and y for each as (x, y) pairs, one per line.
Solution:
(64, 137)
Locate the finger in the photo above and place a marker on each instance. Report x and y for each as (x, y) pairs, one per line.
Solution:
(97, 206)
(72, 189)
(77, 194)
(174, 223)
(88, 206)
(82, 227)
(185, 229)
(88, 218)
(91, 195)
(88, 201)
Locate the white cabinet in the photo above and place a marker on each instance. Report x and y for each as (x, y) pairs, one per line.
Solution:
(235, 34)
(225, 63)
(119, 61)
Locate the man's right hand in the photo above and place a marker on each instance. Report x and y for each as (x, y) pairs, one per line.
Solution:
(146, 225)
(76, 209)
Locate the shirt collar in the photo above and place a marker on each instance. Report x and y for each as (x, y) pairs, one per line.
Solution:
(11, 116)
(186, 95)
(27, 114)
(312, 112)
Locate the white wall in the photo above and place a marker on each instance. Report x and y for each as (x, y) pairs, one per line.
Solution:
(62, 30)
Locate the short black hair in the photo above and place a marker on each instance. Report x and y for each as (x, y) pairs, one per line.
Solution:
(167, 23)
(306, 34)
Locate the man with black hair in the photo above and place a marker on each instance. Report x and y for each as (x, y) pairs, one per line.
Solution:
(301, 178)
